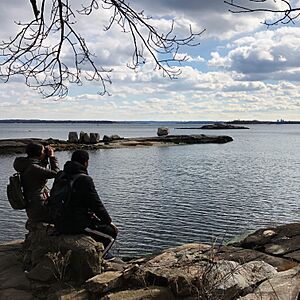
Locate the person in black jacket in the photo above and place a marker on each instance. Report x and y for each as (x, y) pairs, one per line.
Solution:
(85, 213)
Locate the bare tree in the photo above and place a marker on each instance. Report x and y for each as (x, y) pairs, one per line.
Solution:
(36, 51)
(287, 13)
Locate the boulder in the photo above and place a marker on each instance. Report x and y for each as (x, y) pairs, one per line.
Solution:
(231, 279)
(73, 137)
(162, 131)
(94, 138)
(63, 257)
(104, 283)
(81, 134)
(284, 286)
(150, 293)
(195, 269)
(106, 139)
(242, 256)
(86, 138)
(69, 294)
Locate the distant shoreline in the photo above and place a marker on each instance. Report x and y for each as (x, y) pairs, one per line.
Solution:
(37, 121)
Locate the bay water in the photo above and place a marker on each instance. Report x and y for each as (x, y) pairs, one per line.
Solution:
(161, 197)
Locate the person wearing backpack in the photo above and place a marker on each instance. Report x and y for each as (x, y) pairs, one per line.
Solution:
(34, 174)
(84, 213)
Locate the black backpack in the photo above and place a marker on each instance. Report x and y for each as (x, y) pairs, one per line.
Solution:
(15, 194)
(60, 195)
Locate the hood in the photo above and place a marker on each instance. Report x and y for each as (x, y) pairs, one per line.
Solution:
(22, 163)
(73, 167)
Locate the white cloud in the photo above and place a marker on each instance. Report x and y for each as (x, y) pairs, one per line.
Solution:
(234, 73)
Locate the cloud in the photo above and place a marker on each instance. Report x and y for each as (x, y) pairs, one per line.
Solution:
(235, 72)
(267, 55)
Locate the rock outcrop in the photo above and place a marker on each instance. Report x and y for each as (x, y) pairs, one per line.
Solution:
(107, 139)
(111, 142)
(48, 257)
(264, 265)
(222, 126)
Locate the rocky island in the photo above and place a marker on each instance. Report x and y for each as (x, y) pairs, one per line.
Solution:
(216, 126)
(264, 265)
(223, 126)
(110, 142)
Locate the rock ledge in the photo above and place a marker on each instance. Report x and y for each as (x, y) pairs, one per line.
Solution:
(264, 265)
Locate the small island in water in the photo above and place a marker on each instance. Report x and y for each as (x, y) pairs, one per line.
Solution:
(216, 126)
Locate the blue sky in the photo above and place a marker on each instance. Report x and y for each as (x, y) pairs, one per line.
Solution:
(240, 70)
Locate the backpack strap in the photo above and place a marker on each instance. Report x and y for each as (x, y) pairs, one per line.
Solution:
(73, 179)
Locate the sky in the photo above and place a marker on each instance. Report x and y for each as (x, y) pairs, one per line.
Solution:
(241, 69)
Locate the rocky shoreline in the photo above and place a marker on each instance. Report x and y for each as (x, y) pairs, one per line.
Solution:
(10, 146)
(265, 265)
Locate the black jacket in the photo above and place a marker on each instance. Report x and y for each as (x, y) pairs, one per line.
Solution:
(84, 200)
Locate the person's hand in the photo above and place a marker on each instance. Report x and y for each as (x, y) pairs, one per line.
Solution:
(50, 151)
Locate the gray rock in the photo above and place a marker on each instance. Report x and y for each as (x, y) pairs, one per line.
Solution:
(81, 136)
(73, 137)
(74, 257)
(242, 256)
(150, 293)
(104, 283)
(94, 138)
(283, 245)
(70, 294)
(283, 286)
(162, 131)
(86, 138)
(231, 279)
(114, 137)
(295, 255)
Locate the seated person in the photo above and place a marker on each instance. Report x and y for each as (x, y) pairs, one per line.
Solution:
(85, 213)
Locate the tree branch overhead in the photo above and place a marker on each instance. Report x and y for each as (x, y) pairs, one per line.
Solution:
(36, 51)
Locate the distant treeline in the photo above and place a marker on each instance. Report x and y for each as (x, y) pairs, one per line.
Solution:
(146, 122)
(104, 121)
(54, 121)
(262, 122)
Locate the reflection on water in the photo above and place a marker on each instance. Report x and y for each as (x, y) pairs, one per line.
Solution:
(161, 197)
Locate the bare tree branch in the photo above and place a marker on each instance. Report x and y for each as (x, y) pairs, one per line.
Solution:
(285, 15)
(36, 51)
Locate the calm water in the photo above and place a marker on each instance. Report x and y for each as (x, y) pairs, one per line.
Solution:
(161, 197)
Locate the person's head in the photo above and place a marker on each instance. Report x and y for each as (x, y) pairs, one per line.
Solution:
(80, 156)
(35, 150)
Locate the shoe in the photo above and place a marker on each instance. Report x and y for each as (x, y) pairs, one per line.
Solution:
(109, 257)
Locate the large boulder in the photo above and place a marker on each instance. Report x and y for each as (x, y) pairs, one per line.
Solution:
(62, 257)
(73, 137)
(84, 138)
(94, 138)
(162, 131)
(195, 269)
(284, 286)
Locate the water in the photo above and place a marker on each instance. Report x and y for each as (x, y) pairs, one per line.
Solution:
(166, 196)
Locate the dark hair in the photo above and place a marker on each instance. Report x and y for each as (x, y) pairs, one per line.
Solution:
(34, 149)
(80, 156)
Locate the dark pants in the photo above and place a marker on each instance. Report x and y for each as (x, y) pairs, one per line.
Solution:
(103, 233)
